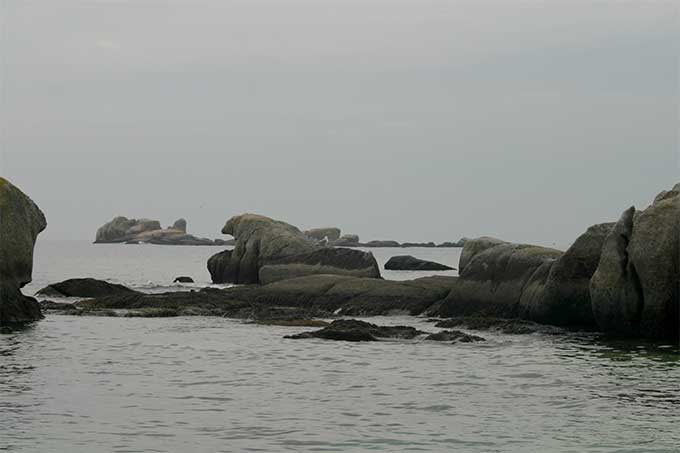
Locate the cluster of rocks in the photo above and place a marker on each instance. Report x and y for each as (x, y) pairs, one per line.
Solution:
(138, 231)
(332, 236)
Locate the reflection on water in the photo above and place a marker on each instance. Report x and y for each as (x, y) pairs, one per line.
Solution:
(205, 384)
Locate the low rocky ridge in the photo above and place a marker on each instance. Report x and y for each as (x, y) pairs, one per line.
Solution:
(333, 237)
(136, 231)
(269, 250)
(410, 263)
(354, 330)
(84, 287)
(21, 220)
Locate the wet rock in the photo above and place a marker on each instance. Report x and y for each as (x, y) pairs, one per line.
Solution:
(292, 322)
(454, 336)
(48, 305)
(380, 244)
(21, 220)
(84, 287)
(505, 326)
(183, 279)
(410, 263)
(354, 330)
(179, 225)
(418, 245)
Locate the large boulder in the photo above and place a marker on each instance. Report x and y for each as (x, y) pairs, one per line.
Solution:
(320, 234)
(84, 287)
(269, 250)
(410, 263)
(635, 290)
(179, 225)
(559, 293)
(494, 276)
(346, 240)
(20, 223)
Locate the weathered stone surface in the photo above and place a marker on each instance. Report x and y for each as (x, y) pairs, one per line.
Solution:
(84, 287)
(319, 234)
(635, 288)
(269, 250)
(410, 263)
(559, 293)
(347, 262)
(20, 223)
(494, 277)
(354, 330)
(347, 240)
(180, 225)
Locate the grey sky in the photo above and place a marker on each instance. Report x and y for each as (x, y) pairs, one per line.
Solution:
(407, 120)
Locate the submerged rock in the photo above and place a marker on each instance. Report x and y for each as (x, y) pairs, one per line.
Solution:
(354, 330)
(183, 279)
(410, 263)
(268, 250)
(454, 336)
(21, 220)
(84, 287)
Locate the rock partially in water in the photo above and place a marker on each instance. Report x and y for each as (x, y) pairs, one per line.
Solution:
(268, 250)
(292, 322)
(48, 305)
(354, 330)
(183, 279)
(21, 220)
(84, 287)
(347, 240)
(407, 245)
(505, 326)
(137, 231)
(410, 263)
(454, 336)
(381, 244)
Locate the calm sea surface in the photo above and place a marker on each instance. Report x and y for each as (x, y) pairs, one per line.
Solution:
(73, 384)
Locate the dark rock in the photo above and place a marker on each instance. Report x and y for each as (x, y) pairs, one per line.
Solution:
(84, 287)
(410, 263)
(455, 336)
(320, 234)
(180, 225)
(293, 322)
(354, 330)
(183, 279)
(137, 231)
(20, 223)
(268, 250)
(49, 305)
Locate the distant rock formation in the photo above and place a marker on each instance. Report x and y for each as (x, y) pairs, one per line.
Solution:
(346, 240)
(320, 234)
(21, 220)
(272, 250)
(138, 231)
(410, 263)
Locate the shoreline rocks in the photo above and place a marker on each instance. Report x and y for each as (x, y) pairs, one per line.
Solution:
(410, 263)
(355, 331)
(21, 221)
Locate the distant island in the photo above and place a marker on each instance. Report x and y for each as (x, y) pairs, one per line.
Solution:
(146, 231)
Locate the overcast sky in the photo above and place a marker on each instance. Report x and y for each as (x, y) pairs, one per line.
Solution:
(408, 120)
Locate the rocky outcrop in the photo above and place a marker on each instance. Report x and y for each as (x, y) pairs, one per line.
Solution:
(320, 234)
(381, 244)
(410, 263)
(269, 250)
(84, 287)
(183, 279)
(635, 290)
(20, 223)
(138, 231)
(559, 294)
(454, 336)
(493, 277)
(346, 240)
